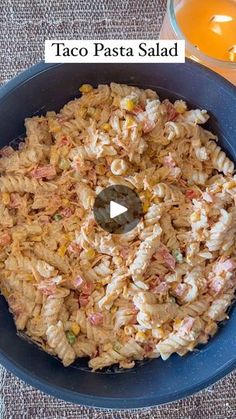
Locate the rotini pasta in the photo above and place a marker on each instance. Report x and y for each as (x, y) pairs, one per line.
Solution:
(161, 288)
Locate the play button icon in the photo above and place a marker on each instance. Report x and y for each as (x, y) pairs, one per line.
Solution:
(117, 209)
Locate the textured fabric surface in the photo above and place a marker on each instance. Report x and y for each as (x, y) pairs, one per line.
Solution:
(24, 25)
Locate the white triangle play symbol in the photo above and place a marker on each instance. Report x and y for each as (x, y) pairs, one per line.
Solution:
(116, 209)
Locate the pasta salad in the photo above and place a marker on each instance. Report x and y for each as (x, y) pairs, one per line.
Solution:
(78, 291)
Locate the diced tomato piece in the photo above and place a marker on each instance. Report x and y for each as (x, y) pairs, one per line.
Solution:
(180, 289)
(148, 348)
(169, 161)
(66, 212)
(5, 239)
(78, 281)
(87, 288)
(186, 326)
(171, 111)
(137, 109)
(148, 126)
(75, 248)
(96, 319)
(15, 200)
(191, 194)
(155, 281)
(47, 172)
(161, 288)
(166, 255)
(47, 288)
(83, 300)
(63, 141)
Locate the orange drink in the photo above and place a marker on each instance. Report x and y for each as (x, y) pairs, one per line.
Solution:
(209, 29)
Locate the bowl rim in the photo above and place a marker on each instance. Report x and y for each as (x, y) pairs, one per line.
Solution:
(40, 67)
(90, 400)
(110, 402)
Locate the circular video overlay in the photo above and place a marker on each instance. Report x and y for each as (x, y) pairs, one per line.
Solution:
(117, 209)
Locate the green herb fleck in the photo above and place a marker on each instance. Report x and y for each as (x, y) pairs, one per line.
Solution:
(70, 337)
(64, 164)
(57, 217)
(178, 255)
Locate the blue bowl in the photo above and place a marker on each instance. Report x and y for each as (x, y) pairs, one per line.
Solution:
(48, 87)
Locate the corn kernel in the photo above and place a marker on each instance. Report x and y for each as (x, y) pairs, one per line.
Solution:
(106, 127)
(188, 259)
(62, 250)
(195, 216)
(180, 106)
(65, 201)
(128, 105)
(148, 194)
(75, 328)
(177, 322)
(29, 277)
(146, 206)
(229, 185)
(90, 253)
(36, 238)
(6, 198)
(130, 121)
(4, 292)
(54, 125)
(113, 310)
(156, 200)
(54, 155)
(104, 281)
(140, 337)
(86, 88)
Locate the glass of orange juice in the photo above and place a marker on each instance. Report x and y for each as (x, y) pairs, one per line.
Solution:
(209, 29)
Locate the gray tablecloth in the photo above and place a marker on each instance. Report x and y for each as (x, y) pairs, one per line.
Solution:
(24, 25)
